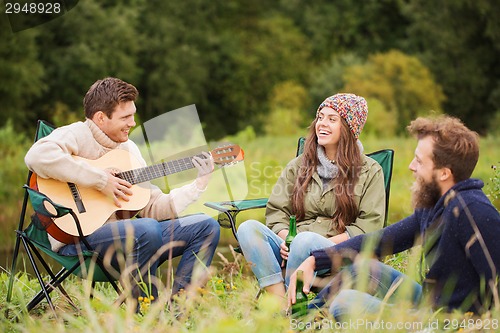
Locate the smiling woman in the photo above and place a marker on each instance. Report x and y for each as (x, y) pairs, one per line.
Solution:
(335, 191)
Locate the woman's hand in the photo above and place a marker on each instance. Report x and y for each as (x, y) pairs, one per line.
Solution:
(284, 251)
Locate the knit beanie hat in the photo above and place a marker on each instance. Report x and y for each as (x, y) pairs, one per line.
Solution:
(352, 108)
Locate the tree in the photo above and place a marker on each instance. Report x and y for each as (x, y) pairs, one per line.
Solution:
(271, 52)
(337, 27)
(380, 123)
(460, 42)
(90, 42)
(327, 79)
(176, 55)
(401, 82)
(21, 74)
(287, 105)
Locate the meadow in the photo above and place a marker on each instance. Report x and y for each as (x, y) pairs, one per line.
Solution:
(227, 303)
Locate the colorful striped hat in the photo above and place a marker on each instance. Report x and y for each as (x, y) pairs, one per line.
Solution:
(352, 108)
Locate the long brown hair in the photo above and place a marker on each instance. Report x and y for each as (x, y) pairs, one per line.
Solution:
(349, 162)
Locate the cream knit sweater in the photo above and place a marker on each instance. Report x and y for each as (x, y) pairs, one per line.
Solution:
(50, 157)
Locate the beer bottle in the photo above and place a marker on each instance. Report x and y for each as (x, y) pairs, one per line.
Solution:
(292, 231)
(299, 309)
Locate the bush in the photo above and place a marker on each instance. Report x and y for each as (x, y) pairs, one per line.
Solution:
(13, 146)
(287, 103)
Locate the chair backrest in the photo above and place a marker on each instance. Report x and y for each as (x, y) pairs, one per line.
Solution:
(384, 157)
(43, 129)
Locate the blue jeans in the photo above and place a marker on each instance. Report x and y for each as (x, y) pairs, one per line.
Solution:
(140, 239)
(361, 287)
(261, 247)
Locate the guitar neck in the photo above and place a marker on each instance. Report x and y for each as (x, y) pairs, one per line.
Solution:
(148, 173)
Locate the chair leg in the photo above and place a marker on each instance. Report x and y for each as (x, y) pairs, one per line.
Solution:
(53, 276)
(231, 215)
(44, 290)
(50, 286)
(55, 282)
(13, 267)
(12, 272)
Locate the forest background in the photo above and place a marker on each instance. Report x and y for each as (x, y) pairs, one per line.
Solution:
(256, 71)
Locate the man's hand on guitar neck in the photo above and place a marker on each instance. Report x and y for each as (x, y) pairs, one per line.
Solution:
(117, 188)
(205, 167)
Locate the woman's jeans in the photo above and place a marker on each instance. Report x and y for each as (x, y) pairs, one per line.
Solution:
(360, 288)
(261, 248)
(148, 243)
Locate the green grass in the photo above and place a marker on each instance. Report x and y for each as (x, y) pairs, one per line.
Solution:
(226, 303)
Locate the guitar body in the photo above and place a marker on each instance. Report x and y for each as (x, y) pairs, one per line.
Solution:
(98, 207)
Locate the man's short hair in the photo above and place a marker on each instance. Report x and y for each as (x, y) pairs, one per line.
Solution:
(104, 95)
(455, 146)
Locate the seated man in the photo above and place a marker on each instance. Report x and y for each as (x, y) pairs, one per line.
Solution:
(457, 224)
(109, 110)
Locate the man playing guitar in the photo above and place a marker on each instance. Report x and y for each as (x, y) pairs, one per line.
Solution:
(158, 234)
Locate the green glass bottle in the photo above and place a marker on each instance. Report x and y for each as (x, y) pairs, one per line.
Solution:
(299, 309)
(292, 231)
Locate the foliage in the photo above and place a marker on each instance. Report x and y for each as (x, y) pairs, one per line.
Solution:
(337, 27)
(380, 123)
(494, 186)
(88, 43)
(401, 82)
(263, 54)
(327, 78)
(494, 126)
(13, 172)
(459, 42)
(228, 57)
(20, 72)
(287, 103)
(176, 61)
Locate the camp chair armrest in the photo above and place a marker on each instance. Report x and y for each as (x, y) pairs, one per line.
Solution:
(229, 209)
(39, 202)
(237, 205)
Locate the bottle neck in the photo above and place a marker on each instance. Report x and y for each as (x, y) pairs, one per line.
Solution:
(292, 230)
(300, 281)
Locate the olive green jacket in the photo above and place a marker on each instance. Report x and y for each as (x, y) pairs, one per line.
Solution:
(320, 203)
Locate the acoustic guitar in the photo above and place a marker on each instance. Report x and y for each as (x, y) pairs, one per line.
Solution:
(93, 208)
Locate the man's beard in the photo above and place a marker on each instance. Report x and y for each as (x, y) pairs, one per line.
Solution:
(425, 194)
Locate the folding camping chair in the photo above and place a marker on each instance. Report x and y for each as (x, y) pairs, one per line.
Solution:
(228, 210)
(35, 242)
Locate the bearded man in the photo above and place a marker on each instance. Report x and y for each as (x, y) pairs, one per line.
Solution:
(454, 222)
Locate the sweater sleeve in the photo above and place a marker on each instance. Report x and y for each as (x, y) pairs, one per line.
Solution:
(395, 238)
(51, 157)
(479, 237)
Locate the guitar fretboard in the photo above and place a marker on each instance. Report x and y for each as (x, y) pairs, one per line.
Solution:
(145, 174)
